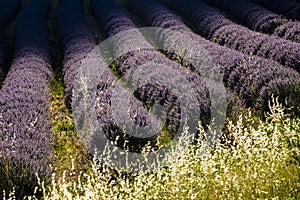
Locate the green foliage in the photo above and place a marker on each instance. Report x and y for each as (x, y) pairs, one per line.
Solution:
(67, 145)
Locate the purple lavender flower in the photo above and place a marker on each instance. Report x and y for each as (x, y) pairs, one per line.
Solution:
(260, 19)
(213, 25)
(25, 130)
(242, 74)
(289, 8)
(289, 31)
(76, 39)
(113, 20)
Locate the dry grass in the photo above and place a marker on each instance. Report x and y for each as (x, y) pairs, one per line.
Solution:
(259, 161)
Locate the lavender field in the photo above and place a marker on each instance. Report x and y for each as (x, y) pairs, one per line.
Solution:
(221, 78)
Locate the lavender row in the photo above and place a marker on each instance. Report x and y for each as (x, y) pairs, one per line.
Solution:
(289, 8)
(260, 19)
(8, 10)
(253, 78)
(212, 24)
(76, 39)
(289, 31)
(25, 131)
(133, 51)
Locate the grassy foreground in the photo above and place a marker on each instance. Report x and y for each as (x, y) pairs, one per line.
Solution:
(256, 160)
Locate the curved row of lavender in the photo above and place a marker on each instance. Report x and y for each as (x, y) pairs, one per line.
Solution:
(75, 38)
(259, 18)
(25, 130)
(287, 8)
(289, 31)
(213, 25)
(114, 20)
(8, 10)
(253, 78)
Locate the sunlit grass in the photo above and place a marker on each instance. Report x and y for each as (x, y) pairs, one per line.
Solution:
(67, 145)
(259, 161)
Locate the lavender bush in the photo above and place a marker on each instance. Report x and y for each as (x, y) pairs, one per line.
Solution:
(247, 76)
(25, 131)
(213, 25)
(76, 40)
(289, 31)
(113, 20)
(260, 19)
(288, 8)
